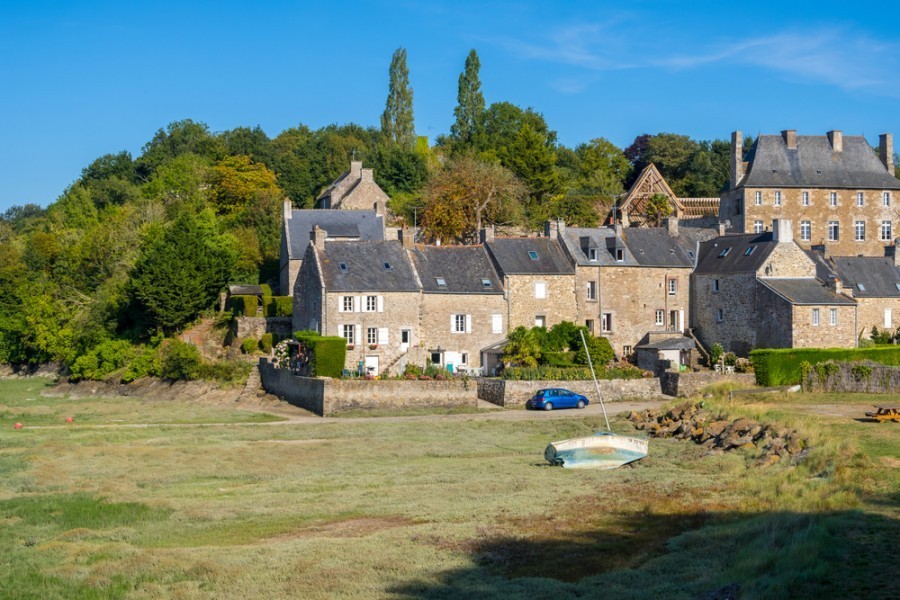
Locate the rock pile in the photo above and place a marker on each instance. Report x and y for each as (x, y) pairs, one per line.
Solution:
(693, 422)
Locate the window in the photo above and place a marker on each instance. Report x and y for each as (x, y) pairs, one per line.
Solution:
(725, 252)
(591, 290)
(777, 198)
(859, 228)
(832, 316)
(486, 283)
(540, 289)
(606, 322)
(540, 321)
(660, 317)
(626, 351)
(589, 323)
(720, 314)
(372, 335)
(405, 336)
(815, 317)
(886, 198)
(350, 334)
(464, 358)
(861, 287)
(620, 255)
(458, 324)
(715, 286)
(832, 198)
(533, 255)
(371, 303)
(860, 199)
(804, 198)
(749, 250)
(673, 287)
(805, 230)
(346, 304)
(833, 231)
(496, 323)
(759, 198)
(436, 358)
(592, 254)
(387, 266)
(441, 282)
(757, 226)
(342, 267)
(886, 232)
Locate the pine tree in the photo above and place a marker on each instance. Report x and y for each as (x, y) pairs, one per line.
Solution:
(397, 119)
(469, 110)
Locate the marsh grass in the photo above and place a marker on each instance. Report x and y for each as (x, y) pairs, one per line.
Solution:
(434, 509)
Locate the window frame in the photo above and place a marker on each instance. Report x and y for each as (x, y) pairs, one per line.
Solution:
(776, 200)
(349, 334)
(860, 199)
(591, 291)
(371, 336)
(859, 231)
(804, 198)
(805, 231)
(887, 231)
(834, 231)
(660, 318)
(816, 320)
(758, 226)
(459, 323)
(672, 287)
(832, 198)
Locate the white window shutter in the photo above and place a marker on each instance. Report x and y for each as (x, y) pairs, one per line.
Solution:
(340, 304)
(468, 323)
(496, 323)
(452, 323)
(358, 303)
(382, 334)
(888, 318)
(380, 303)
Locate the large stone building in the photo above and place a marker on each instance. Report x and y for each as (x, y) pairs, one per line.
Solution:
(760, 291)
(836, 191)
(354, 190)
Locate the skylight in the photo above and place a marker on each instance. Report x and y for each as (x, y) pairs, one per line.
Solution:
(861, 287)
(533, 255)
(897, 286)
(343, 267)
(441, 281)
(486, 283)
(725, 252)
(387, 266)
(749, 250)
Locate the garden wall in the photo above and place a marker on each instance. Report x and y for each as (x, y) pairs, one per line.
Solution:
(852, 378)
(324, 396)
(504, 392)
(685, 385)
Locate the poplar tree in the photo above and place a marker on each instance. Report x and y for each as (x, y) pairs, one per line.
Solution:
(469, 110)
(397, 119)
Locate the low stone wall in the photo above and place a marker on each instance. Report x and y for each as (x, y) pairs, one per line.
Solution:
(685, 385)
(504, 392)
(853, 378)
(255, 327)
(324, 396)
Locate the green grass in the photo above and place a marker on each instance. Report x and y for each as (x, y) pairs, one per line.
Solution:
(433, 509)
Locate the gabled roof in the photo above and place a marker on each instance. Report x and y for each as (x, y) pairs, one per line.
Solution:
(356, 224)
(655, 247)
(579, 241)
(815, 164)
(672, 343)
(364, 267)
(732, 254)
(334, 184)
(806, 290)
(512, 256)
(462, 269)
(647, 184)
(245, 290)
(868, 276)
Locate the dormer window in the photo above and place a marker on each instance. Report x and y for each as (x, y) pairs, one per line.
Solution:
(342, 267)
(592, 254)
(486, 283)
(533, 255)
(387, 266)
(441, 282)
(620, 255)
(725, 252)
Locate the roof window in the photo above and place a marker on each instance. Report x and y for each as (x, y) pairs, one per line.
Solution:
(387, 266)
(897, 285)
(342, 267)
(440, 281)
(533, 255)
(861, 287)
(749, 250)
(725, 252)
(486, 283)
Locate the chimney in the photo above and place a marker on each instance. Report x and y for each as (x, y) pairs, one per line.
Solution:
(286, 210)
(721, 229)
(378, 207)
(487, 234)
(407, 238)
(886, 151)
(896, 252)
(355, 168)
(672, 226)
(790, 138)
(836, 285)
(737, 158)
(837, 140)
(317, 237)
(551, 229)
(367, 175)
(782, 231)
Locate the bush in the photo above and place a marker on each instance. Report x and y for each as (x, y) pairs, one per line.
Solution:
(102, 360)
(226, 371)
(244, 306)
(265, 343)
(328, 354)
(179, 360)
(600, 349)
(412, 371)
(266, 290)
(278, 306)
(715, 353)
(144, 364)
(560, 359)
(783, 366)
(730, 359)
(249, 345)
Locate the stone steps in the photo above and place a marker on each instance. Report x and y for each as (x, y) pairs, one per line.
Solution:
(253, 385)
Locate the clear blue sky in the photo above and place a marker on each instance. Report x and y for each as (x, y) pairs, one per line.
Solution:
(80, 79)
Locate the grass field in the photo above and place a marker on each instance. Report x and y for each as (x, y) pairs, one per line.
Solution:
(208, 502)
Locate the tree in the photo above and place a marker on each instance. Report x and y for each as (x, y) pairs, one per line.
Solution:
(397, 120)
(179, 138)
(181, 270)
(523, 348)
(533, 160)
(469, 111)
(658, 208)
(235, 180)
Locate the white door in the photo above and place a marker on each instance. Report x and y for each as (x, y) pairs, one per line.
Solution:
(371, 365)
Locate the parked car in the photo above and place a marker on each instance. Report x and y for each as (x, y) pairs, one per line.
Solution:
(556, 398)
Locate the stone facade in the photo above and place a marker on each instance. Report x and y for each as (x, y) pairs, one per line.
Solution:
(354, 190)
(540, 300)
(483, 324)
(724, 310)
(806, 334)
(504, 392)
(883, 313)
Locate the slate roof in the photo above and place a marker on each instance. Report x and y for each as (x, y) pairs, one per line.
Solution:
(655, 247)
(365, 271)
(736, 260)
(462, 268)
(361, 224)
(814, 164)
(868, 276)
(805, 291)
(328, 191)
(511, 256)
(672, 343)
(579, 240)
(245, 290)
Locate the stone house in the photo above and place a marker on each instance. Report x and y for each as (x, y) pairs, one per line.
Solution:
(354, 190)
(630, 282)
(343, 225)
(836, 191)
(537, 276)
(872, 281)
(760, 291)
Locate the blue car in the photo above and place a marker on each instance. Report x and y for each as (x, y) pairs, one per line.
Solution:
(556, 398)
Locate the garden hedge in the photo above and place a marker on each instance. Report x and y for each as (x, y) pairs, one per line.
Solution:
(328, 353)
(278, 306)
(782, 366)
(244, 306)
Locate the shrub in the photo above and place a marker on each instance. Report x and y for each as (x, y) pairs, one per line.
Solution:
(783, 366)
(278, 306)
(102, 360)
(145, 364)
(225, 371)
(265, 343)
(730, 359)
(266, 290)
(328, 354)
(412, 371)
(246, 306)
(560, 359)
(179, 360)
(715, 353)
(600, 349)
(249, 345)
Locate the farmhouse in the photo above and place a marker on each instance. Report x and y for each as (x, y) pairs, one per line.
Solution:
(354, 190)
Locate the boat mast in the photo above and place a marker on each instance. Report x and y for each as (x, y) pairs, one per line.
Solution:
(594, 377)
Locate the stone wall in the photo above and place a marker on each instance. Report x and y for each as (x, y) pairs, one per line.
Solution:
(504, 392)
(480, 310)
(774, 323)
(558, 305)
(736, 296)
(855, 378)
(824, 335)
(686, 385)
(255, 327)
(872, 312)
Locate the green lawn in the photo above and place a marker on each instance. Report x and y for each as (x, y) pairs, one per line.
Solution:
(427, 509)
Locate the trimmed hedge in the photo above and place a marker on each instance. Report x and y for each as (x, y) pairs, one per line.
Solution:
(278, 306)
(249, 345)
(328, 353)
(266, 342)
(266, 290)
(568, 373)
(244, 306)
(782, 366)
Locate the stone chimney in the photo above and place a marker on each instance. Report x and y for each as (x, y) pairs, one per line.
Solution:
(837, 140)
(836, 285)
(782, 231)
(551, 229)
(378, 207)
(355, 168)
(487, 234)
(317, 237)
(737, 158)
(790, 138)
(367, 175)
(407, 238)
(721, 228)
(286, 210)
(672, 226)
(886, 151)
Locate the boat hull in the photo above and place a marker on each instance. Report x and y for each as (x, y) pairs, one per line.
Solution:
(600, 451)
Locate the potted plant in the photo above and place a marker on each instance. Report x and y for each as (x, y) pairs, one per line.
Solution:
(373, 346)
